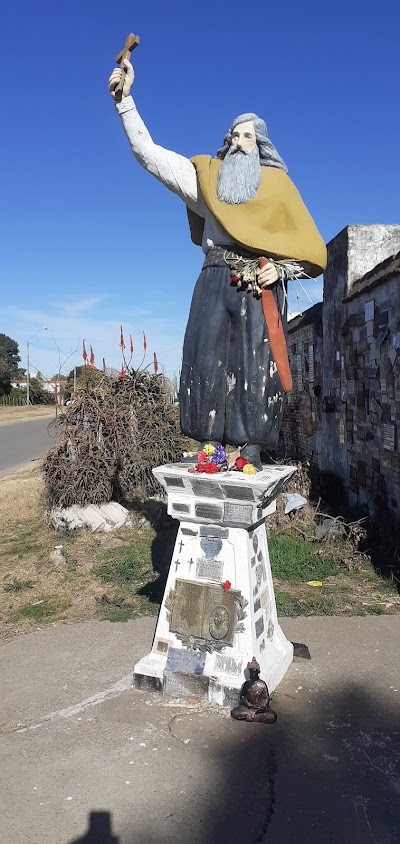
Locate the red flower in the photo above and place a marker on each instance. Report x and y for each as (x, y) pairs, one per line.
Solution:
(211, 468)
(122, 374)
(155, 363)
(192, 470)
(91, 361)
(84, 352)
(144, 342)
(201, 457)
(122, 341)
(201, 467)
(227, 585)
(240, 462)
(131, 343)
(235, 278)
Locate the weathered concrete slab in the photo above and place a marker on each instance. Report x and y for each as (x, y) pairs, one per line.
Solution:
(329, 770)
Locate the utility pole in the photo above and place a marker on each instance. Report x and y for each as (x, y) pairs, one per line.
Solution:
(27, 372)
(27, 361)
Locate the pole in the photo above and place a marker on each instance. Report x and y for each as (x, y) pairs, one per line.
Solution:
(27, 372)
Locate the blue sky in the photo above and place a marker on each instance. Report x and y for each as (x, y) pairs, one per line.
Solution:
(90, 240)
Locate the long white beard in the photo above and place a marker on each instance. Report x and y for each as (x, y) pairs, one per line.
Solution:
(239, 176)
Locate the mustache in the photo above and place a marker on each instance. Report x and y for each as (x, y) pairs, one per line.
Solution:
(235, 149)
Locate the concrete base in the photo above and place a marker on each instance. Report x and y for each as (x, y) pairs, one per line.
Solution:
(218, 609)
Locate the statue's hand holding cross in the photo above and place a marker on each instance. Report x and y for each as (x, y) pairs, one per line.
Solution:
(121, 79)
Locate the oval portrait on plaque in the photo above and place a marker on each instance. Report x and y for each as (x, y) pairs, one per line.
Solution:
(219, 622)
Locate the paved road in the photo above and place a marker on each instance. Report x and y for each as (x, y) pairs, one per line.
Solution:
(23, 442)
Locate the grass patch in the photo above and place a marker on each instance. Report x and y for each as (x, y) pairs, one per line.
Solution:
(288, 604)
(23, 543)
(296, 560)
(127, 566)
(38, 611)
(18, 585)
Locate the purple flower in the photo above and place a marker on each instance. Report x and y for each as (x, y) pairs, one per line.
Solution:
(220, 456)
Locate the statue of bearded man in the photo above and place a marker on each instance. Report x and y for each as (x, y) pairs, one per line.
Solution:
(242, 208)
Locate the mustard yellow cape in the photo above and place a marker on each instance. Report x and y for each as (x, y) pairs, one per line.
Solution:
(275, 224)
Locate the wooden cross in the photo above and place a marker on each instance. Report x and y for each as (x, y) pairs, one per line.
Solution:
(131, 43)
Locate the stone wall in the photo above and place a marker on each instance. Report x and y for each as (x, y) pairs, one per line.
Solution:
(344, 411)
(302, 414)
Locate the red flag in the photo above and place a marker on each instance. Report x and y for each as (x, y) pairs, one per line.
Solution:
(144, 342)
(131, 343)
(122, 374)
(122, 341)
(91, 361)
(155, 363)
(84, 352)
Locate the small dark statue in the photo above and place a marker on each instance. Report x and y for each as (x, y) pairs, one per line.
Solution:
(254, 699)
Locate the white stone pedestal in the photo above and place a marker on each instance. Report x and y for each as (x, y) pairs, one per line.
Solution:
(218, 609)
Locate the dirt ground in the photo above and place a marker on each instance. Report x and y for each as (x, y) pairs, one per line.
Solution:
(10, 415)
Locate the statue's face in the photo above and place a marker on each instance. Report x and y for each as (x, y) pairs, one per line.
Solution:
(244, 136)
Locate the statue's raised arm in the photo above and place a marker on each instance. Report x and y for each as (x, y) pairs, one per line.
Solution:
(175, 171)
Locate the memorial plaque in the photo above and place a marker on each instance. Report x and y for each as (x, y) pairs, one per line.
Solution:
(270, 629)
(214, 530)
(205, 488)
(369, 310)
(210, 569)
(211, 545)
(258, 574)
(228, 665)
(265, 598)
(190, 662)
(257, 606)
(243, 493)
(255, 542)
(253, 561)
(200, 611)
(180, 508)
(259, 626)
(388, 437)
(311, 363)
(241, 514)
(188, 531)
(176, 482)
(161, 646)
(208, 511)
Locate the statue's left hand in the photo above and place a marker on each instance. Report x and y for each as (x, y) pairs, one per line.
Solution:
(267, 275)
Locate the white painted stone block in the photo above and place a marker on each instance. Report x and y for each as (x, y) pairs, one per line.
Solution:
(219, 582)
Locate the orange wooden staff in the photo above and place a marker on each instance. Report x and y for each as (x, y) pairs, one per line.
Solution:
(276, 334)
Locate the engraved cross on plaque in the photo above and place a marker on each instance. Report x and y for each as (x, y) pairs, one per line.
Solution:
(191, 561)
(177, 563)
(181, 544)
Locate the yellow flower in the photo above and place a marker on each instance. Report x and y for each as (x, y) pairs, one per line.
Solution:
(249, 469)
(209, 450)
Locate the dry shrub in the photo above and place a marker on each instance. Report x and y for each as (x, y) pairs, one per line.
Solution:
(111, 437)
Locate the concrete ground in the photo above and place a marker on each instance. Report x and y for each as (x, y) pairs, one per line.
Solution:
(86, 759)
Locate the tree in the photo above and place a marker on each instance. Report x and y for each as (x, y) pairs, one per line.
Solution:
(37, 395)
(86, 376)
(9, 360)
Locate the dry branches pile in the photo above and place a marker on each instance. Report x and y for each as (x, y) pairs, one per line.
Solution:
(111, 437)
